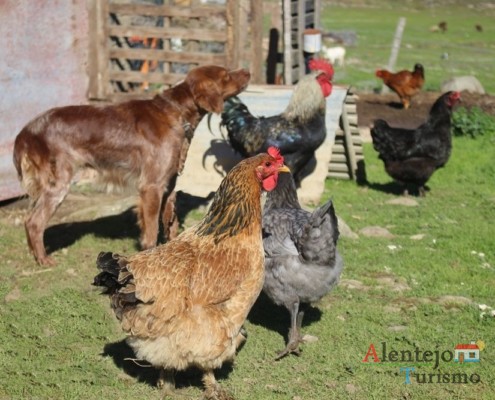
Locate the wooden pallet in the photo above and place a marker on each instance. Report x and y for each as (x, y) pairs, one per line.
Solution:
(347, 160)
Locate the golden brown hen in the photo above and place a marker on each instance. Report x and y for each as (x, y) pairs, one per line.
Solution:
(183, 304)
(405, 83)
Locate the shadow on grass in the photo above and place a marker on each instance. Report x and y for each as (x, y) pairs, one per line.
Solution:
(120, 226)
(277, 318)
(124, 358)
(395, 188)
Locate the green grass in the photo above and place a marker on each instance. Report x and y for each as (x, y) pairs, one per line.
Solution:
(470, 52)
(61, 341)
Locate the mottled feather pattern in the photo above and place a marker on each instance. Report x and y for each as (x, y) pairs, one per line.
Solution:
(301, 258)
(183, 303)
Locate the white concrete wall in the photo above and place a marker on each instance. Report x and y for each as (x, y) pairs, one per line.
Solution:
(200, 178)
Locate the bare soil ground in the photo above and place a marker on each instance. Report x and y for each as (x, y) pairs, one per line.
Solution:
(371, 106)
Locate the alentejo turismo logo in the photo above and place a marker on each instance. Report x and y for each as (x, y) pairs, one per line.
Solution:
(462, 353)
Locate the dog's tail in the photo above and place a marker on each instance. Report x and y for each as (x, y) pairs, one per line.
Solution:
(31, 158)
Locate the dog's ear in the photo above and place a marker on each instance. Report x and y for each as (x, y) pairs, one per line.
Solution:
(208, 96)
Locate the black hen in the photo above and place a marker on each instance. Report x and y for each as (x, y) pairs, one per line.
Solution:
(411, 156)
(302, 263)
(297, 132)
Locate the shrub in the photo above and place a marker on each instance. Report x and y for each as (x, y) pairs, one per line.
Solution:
(473, 122)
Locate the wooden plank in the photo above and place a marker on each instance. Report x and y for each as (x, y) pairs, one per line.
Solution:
(152, 77)
(287, 6)
(104, 64)
(338, 158)
(352, 119)
(206, 11)
(338, 167)
(317, 13)
(256, 65)
(349, 145)
(168, 56)
(206, 35)
(339, 175)
(233, 44)
(94, 83)
(242, 30)
(338, 148)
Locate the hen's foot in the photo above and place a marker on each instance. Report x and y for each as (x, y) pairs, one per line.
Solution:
(216, 392)
(240, 338)
(213, 391)
(291, 348)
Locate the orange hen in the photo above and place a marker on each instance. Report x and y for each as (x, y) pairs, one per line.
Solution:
(183, 303)
(405, 83)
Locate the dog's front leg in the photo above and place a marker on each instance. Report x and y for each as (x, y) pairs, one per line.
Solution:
(148, 212)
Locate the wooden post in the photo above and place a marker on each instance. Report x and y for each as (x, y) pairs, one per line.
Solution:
(349, 145)
(395, 48)
(301, 26)
(256, 65)
(233, 41)
(287, 48)
(98, 86)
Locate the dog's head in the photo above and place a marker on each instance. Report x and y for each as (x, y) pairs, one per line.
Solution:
(211, 85)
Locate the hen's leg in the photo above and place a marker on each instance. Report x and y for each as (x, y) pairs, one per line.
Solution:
(294, 332)
(166, 382)
(240, 338)
(169, 217)
(213, 391)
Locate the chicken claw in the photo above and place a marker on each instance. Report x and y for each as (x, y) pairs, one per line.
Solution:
(213, 391)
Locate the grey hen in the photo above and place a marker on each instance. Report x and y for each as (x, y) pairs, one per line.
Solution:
(302, 263)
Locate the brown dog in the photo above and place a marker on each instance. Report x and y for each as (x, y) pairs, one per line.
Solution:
(142, 139)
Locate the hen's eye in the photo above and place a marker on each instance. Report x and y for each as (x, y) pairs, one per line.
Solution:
(268, 164)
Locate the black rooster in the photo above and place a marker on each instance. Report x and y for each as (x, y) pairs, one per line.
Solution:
(302, 263)
(411, 156)
(297, 132)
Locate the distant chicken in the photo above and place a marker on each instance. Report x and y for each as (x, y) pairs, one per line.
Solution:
(405, 83)
(297, 132)
(302, 263)
(411, 156)
(183, 304)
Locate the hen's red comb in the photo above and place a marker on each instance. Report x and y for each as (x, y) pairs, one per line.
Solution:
(319, 64)
(275, 153)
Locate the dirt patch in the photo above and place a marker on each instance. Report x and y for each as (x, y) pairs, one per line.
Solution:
(371, 106)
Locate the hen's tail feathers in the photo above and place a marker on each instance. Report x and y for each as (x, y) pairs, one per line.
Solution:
(379, 135)
(235, 113)
(117, 281)
(319, 237)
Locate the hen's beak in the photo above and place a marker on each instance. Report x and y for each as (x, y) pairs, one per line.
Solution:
(284, 168)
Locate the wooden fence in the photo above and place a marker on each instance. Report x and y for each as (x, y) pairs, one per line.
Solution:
(139, 47)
